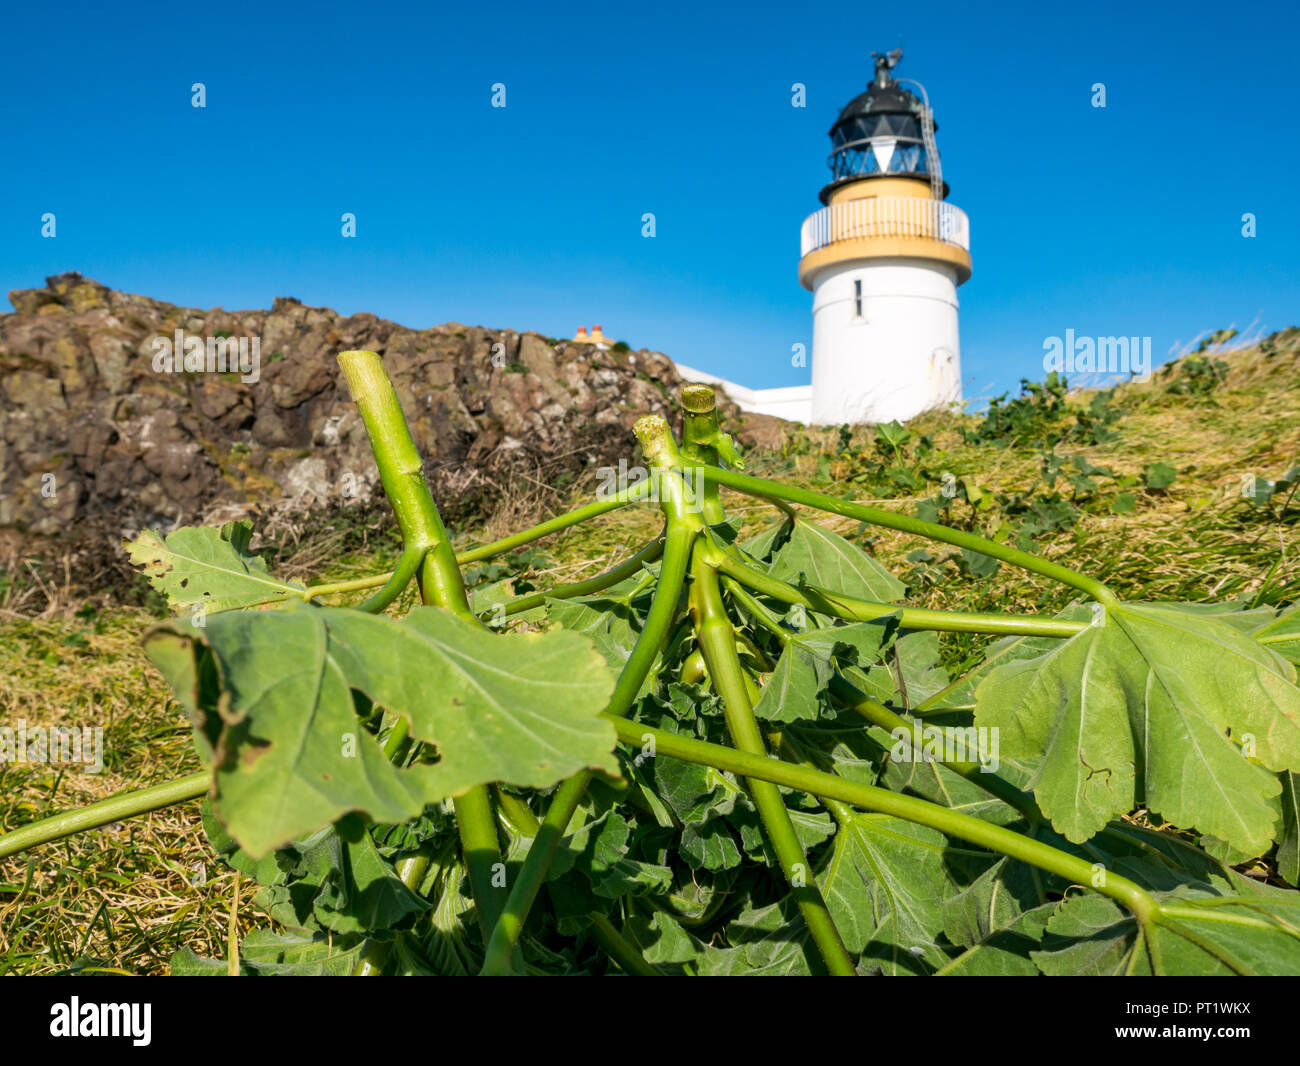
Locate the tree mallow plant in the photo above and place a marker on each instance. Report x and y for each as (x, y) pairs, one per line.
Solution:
(724, 755)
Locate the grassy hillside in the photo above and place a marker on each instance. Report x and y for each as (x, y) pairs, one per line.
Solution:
(1181, 488)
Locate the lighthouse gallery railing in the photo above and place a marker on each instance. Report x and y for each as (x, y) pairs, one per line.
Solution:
(885, 216)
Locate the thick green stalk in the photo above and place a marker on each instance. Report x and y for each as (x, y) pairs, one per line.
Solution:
(678, 541)
(402, 473)
(105, 812)
(871, 798)
(717, 640)
(704, 442)
(850, 608)
(763, 489)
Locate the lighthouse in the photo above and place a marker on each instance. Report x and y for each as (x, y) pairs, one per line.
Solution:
(883, 258)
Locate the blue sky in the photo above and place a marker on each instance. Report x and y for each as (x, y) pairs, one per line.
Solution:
(1122, 221)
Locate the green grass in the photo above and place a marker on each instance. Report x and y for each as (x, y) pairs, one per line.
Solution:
(125, 898)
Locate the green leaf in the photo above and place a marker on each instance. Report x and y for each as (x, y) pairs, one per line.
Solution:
(764, 943)
(960, 694)
(264, 953)
(977, 564)
(366, 893)
(884, 883)
(808, 663)
(1158, 700)
(1282, 634)
(1288, 840)
(816, 556)
(1208, 936)
(919, 675)
(297, 955)
(605, 861)
(185, 963)
(1159, 476)
(998, 919)
(762, 545)
(208, 567)
(607, 622)
(892, 434)
(1091, 936)
(291, 754)
(661, 939)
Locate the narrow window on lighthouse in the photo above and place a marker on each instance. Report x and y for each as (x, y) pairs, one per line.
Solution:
(857, 297)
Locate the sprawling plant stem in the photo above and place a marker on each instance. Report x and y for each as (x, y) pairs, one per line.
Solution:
(679, 537)
(619, 499)
(848, 695)
(617, 947)
(105, 812)
(648, 553)
(771, 490)
(881, 800)
(838, 605)
(717, 639)
(486, 551)
(402, 473)
(407, 566)
(521, 821)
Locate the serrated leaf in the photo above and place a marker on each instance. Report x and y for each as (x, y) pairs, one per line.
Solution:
(884, 883)
(185, 963)
(1159, 476)
(764, 943)
(1155, 699)
(661, 939)
(291, 754)
(297, 955)
(808, 662)
(211, 568)
(960, 694)
(825, 559)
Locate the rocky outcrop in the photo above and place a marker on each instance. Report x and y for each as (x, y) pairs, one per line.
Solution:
(95, 426)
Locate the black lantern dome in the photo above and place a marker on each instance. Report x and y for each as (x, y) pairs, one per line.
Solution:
(881, 133)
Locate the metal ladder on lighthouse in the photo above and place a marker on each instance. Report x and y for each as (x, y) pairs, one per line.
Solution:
(935, 168)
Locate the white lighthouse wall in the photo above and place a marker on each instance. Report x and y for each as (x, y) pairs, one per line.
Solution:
(793, 402)
(900, 357)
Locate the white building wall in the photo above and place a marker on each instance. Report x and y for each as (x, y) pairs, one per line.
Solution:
(793, 403)
(900, 356)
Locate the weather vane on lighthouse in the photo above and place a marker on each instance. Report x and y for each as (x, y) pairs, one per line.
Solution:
(883, 258)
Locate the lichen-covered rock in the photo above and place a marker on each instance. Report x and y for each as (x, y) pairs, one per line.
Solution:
(132, 445)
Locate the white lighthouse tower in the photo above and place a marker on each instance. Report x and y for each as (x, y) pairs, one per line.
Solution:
(883, 259)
